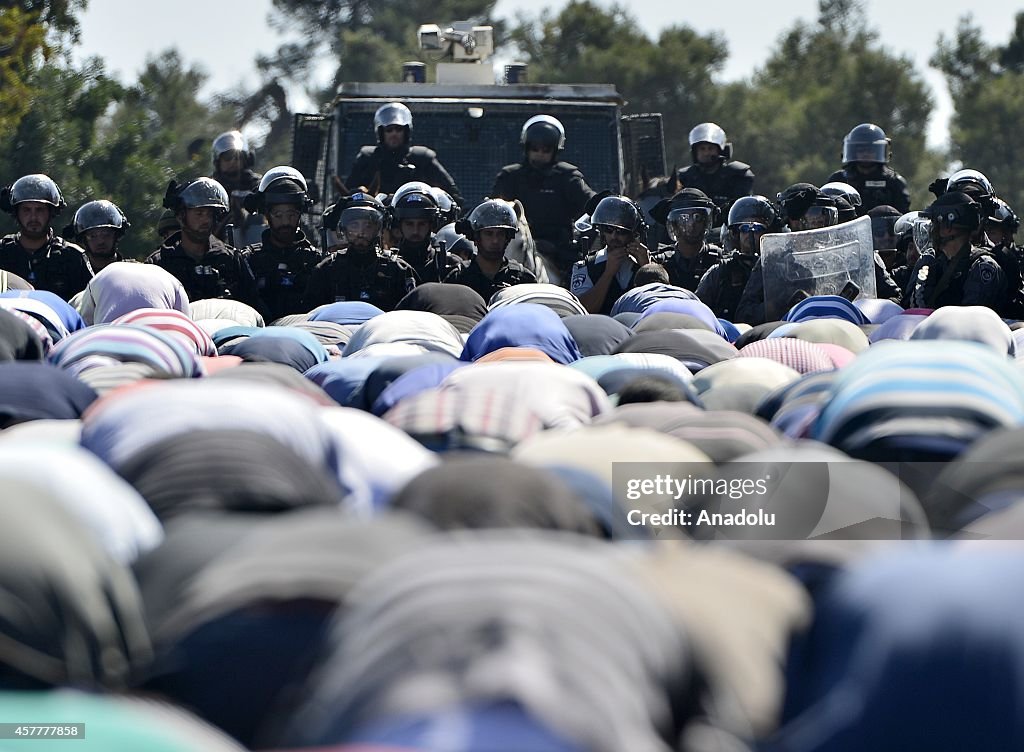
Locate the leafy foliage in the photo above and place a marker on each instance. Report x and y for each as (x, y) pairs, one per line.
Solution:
(586, 43)
(98, 139)
(364, 40)
(987, 86)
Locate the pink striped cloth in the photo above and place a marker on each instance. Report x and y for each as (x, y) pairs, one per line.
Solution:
(175, 323)
(801, 356)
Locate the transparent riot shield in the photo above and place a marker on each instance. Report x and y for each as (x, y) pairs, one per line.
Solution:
(835, 260)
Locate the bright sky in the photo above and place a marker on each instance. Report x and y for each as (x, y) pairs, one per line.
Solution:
(225, 41)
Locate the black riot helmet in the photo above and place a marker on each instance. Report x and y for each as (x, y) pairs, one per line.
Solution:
(620, 212)
(953, 209)
(415, 205)
(689, 214)
(446, 205)
(39, 188)
(1003, 216)
(359, 214)
(754, 209)
(494, 214)
(454, 241)
(883, 226)
(749, 218)
(866, 143)
(392, 113)
(847, 191)
(543, 130)
(808, 207)
(197, 194)
(100, 214)
(1002, 222)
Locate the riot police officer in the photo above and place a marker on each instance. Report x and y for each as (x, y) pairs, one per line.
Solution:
(492, 224)
(600, 278)
(412, 219)
(553, 193)
(714, 171)
(805, 207)
(99, 226)
(284, 258)
(907, 231)
(724, 288)
(233, 160)
(35, 253)
(1000, 226)
(363, 270)
(205, 265)
(958, 272)
(393, 161)
(866, 155)
(687, 216)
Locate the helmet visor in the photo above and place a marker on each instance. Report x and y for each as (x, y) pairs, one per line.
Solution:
(746, 236)
(871, 151)
(687, 224)
(922, 233)
(360, 222)
(819, 216)
(883, 230)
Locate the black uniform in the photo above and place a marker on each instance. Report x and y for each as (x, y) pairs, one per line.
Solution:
(687, 272)
(223, 272)
(427, 261)
(972, 277)
(247, 180)
(553, 198)
(729, 182)
(378, 277)
(510, 273)
(247, 226)
(725, 283)
(59, 266)
(383, 170)
(282, 274)
(884, 186)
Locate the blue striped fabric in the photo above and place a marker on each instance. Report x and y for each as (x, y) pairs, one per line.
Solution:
(126, 343)
(639, 299)
(826, 307)
(915, 391)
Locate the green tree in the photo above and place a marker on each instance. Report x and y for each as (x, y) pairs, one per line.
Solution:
(99, 139)
(22, 46)
(987, 86)
(57, 16)
(586, 43)
(822, 79)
